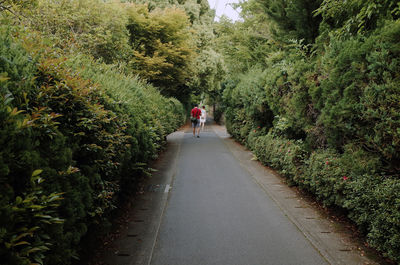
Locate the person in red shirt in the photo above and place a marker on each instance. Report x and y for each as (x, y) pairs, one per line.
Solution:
(195, 118)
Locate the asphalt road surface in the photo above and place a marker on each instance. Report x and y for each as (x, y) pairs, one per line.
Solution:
(217, 214)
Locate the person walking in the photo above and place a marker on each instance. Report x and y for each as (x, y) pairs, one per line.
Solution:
(195, 119)
(203, 118)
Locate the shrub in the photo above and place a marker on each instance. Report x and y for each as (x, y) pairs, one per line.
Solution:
(246, 104)
(151, 114)
(359, 94)
(334, 126)
(94, 27)
(280, 153)
(218, 114)
(85, 128)
(373, 205)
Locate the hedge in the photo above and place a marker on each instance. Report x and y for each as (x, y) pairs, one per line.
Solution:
(75, 134)
(343, 180)
(329, 123)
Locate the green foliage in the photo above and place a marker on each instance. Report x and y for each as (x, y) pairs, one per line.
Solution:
(90, 129)
(326, 173)
(208, 66)
(146, 112)
(358, 96)
(243, 44)
(326, 115)
(277, 152)
(157, 40)
(162, 47)
(373, 205)
(292, 19)
(356, 16)
(210, 70)
(25, 222)
(73, 104)
(197, 10)
(13, 7)
(247, 104)
(90, 26)
(347, 180)
(288, 79)
(218, 113)
(26, 211)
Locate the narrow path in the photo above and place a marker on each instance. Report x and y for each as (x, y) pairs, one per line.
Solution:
(208, 203)
(217, 214)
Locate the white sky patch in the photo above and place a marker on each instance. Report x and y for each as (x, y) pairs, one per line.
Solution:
(222, 7)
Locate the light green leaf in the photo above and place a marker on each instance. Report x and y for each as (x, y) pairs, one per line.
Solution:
(37, 172)
(21, 243)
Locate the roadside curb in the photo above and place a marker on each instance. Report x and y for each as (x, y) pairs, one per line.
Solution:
(136, 240)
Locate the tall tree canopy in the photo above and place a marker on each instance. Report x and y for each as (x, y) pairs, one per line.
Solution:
(157, 40)
(292, 19)
(162, 47)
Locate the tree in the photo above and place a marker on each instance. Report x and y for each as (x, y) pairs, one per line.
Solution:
(162, 47)
(13, 6)
(293, 19)
(89, 26)
(356, 16)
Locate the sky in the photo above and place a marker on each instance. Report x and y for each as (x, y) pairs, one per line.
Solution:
(222, 7)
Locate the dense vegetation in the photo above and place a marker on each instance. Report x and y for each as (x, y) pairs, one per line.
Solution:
(89, 91)
(313, 88)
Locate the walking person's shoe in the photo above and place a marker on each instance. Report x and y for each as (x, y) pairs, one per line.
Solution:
(198, 136)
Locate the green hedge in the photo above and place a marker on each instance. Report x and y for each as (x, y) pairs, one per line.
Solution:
(359, 93)
(75, 135)
(329, 122)
(345, 180)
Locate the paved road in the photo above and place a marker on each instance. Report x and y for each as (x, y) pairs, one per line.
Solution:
(217, 214)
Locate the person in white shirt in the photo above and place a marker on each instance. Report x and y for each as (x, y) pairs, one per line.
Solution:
(203, 118)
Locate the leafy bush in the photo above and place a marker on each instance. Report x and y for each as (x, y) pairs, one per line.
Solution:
(146, 111)
(373, 205)
(26, 221)
(71, 109)
(90, 26)
(359, 93)
(280, 153)
(218, 114)
(327, 118)
(247, 106)
(347, 180)
(85, 128)
(327, 173)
